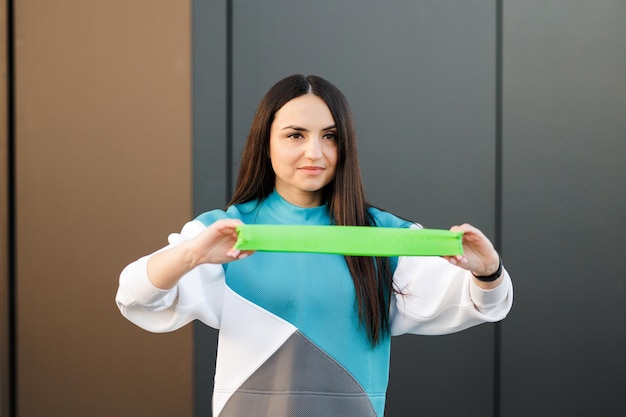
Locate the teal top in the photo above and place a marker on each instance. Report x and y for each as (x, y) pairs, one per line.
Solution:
(312, 291)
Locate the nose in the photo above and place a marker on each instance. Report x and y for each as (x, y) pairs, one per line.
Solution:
(313, 148)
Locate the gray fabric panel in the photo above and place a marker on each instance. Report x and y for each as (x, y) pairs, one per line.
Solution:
(299, 380)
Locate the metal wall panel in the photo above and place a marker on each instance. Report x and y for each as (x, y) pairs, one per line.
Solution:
(210, 159)
(420, 78)
(209, 25)
(564, 136)
(5, 315)
(103, 160)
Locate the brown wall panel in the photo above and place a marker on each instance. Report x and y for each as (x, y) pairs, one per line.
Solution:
(103, 147)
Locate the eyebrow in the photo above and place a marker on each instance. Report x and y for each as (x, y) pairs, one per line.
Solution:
(302, 129)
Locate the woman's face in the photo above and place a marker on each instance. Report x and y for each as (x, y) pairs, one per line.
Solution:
(303, 150)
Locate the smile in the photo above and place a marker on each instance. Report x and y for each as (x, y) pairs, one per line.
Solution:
(311, 170)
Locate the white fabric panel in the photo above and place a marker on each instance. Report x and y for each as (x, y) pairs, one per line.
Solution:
(249, 336)
(435, 297)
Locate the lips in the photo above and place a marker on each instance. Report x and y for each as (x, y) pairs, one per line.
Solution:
(312, 170)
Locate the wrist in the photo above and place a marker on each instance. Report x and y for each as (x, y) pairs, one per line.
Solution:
(491, 277)
(190, 255)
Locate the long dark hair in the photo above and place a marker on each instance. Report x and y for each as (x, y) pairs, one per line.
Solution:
(344, 195)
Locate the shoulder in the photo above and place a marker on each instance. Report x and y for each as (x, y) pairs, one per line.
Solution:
(237, 211)
(382, 218)
(212, 216)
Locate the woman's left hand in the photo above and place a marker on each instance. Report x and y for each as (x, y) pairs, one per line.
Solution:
(479, 257)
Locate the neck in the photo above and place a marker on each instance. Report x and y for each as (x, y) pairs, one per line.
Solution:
(304, 200)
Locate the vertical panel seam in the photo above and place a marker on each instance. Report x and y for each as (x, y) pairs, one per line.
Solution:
(11, 214)
(229, 99)
(498, 197)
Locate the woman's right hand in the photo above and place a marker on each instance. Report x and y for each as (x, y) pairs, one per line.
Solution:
(214, 245)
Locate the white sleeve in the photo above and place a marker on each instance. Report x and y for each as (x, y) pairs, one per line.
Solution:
(435, 297)
(198, 294)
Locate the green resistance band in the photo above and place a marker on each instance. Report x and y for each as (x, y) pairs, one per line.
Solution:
(349, 240)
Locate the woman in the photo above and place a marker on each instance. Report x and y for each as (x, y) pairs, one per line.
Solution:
(306, 334)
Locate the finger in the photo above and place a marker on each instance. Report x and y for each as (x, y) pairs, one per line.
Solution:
(245, 254)
(456, 259)
(227, 223)
(227, 227)
(238, 254)
(470, 233)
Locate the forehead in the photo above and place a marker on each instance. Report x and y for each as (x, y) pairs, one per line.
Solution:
(306, 110)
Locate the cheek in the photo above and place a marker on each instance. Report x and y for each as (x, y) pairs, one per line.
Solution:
(280, 160)
(332, 156)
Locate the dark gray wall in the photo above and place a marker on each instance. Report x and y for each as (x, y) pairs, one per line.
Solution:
(423, 79)
(564, 345)
(211, 142)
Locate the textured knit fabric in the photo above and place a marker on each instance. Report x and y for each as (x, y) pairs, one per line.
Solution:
(290, 341)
